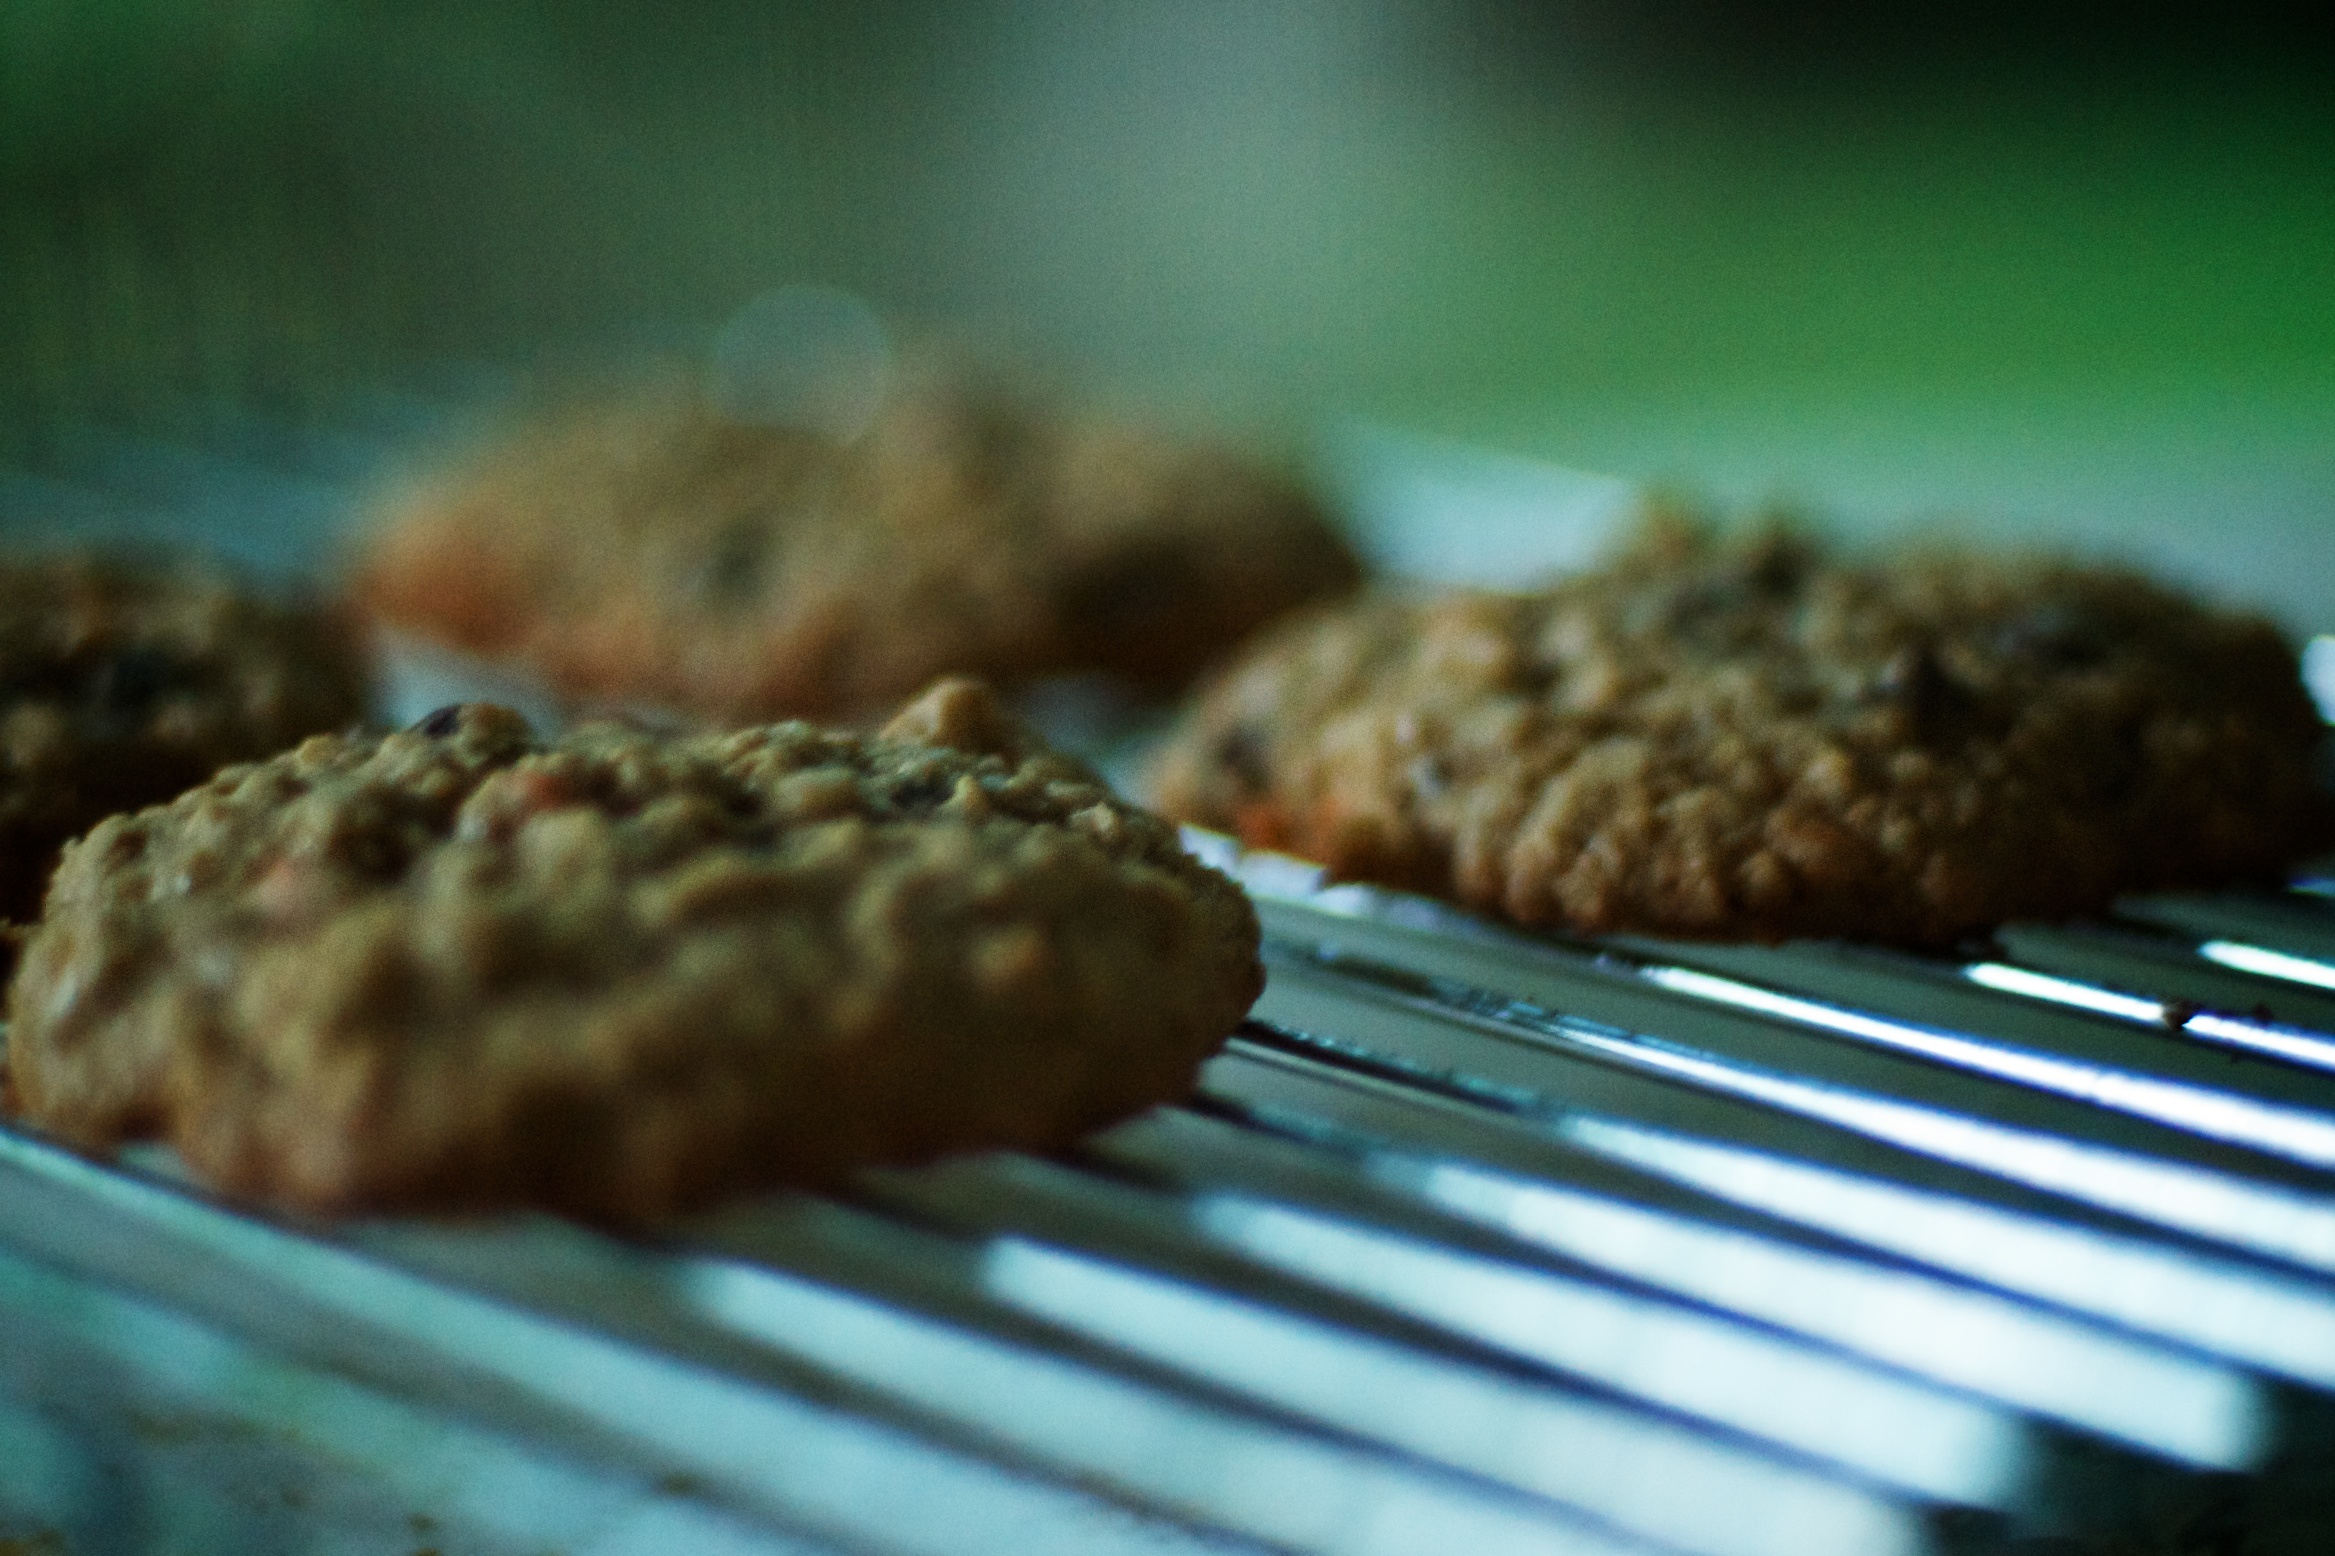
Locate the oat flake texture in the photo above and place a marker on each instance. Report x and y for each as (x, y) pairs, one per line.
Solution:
(620, 975)
(123, 682)
(647, 550)
(1749, 737)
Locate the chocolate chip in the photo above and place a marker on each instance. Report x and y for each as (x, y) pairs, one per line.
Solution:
(2056, 636)
(1777, 564)
(1240, 751)
(438, 723)
(922, 791)
(731, 573)
(33, 674)
(1687, 605)
(136, 678)
(1769, 571)
(1919, 686)
(2178, 1013)
(1131, 592)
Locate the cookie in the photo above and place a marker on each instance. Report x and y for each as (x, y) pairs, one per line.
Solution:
(621, 974)
(122, 684)
(1750, 737)
(654, 552)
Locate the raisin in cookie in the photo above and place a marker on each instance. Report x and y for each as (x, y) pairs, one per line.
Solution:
(655, 552)
(620, 974)
(122, 684)
(1749, 737)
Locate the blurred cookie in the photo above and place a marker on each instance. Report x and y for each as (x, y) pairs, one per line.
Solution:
(656, 552)
(619, 974)
(123, 684)
(1748, 737)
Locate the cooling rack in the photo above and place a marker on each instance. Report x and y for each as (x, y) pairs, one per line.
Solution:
(1470, 1241)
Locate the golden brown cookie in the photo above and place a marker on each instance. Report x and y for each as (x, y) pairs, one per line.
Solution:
(619, 974)
(653, 551)
(1750, 737)
(122, 684)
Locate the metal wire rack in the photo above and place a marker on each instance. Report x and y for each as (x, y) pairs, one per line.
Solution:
(1471, 1241)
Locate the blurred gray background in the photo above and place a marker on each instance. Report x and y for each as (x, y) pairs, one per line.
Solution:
(2037, 271)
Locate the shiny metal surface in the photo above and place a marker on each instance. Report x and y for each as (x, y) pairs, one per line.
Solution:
(1470, 1240)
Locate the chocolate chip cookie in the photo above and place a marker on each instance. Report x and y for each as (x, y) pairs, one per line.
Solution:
(1750, 737)
(655, 552)
(621, 974)
(123, 683)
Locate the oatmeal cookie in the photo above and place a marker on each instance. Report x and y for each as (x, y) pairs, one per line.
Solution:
(655, 552)
(1748, 737)
(122, 684)
(619, 974)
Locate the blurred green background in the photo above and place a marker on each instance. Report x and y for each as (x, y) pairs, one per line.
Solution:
(2066, 271)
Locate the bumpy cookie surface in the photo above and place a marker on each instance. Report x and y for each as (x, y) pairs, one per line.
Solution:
(121, 685)
(1751, 738)
(619, 975)
(655, 552)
